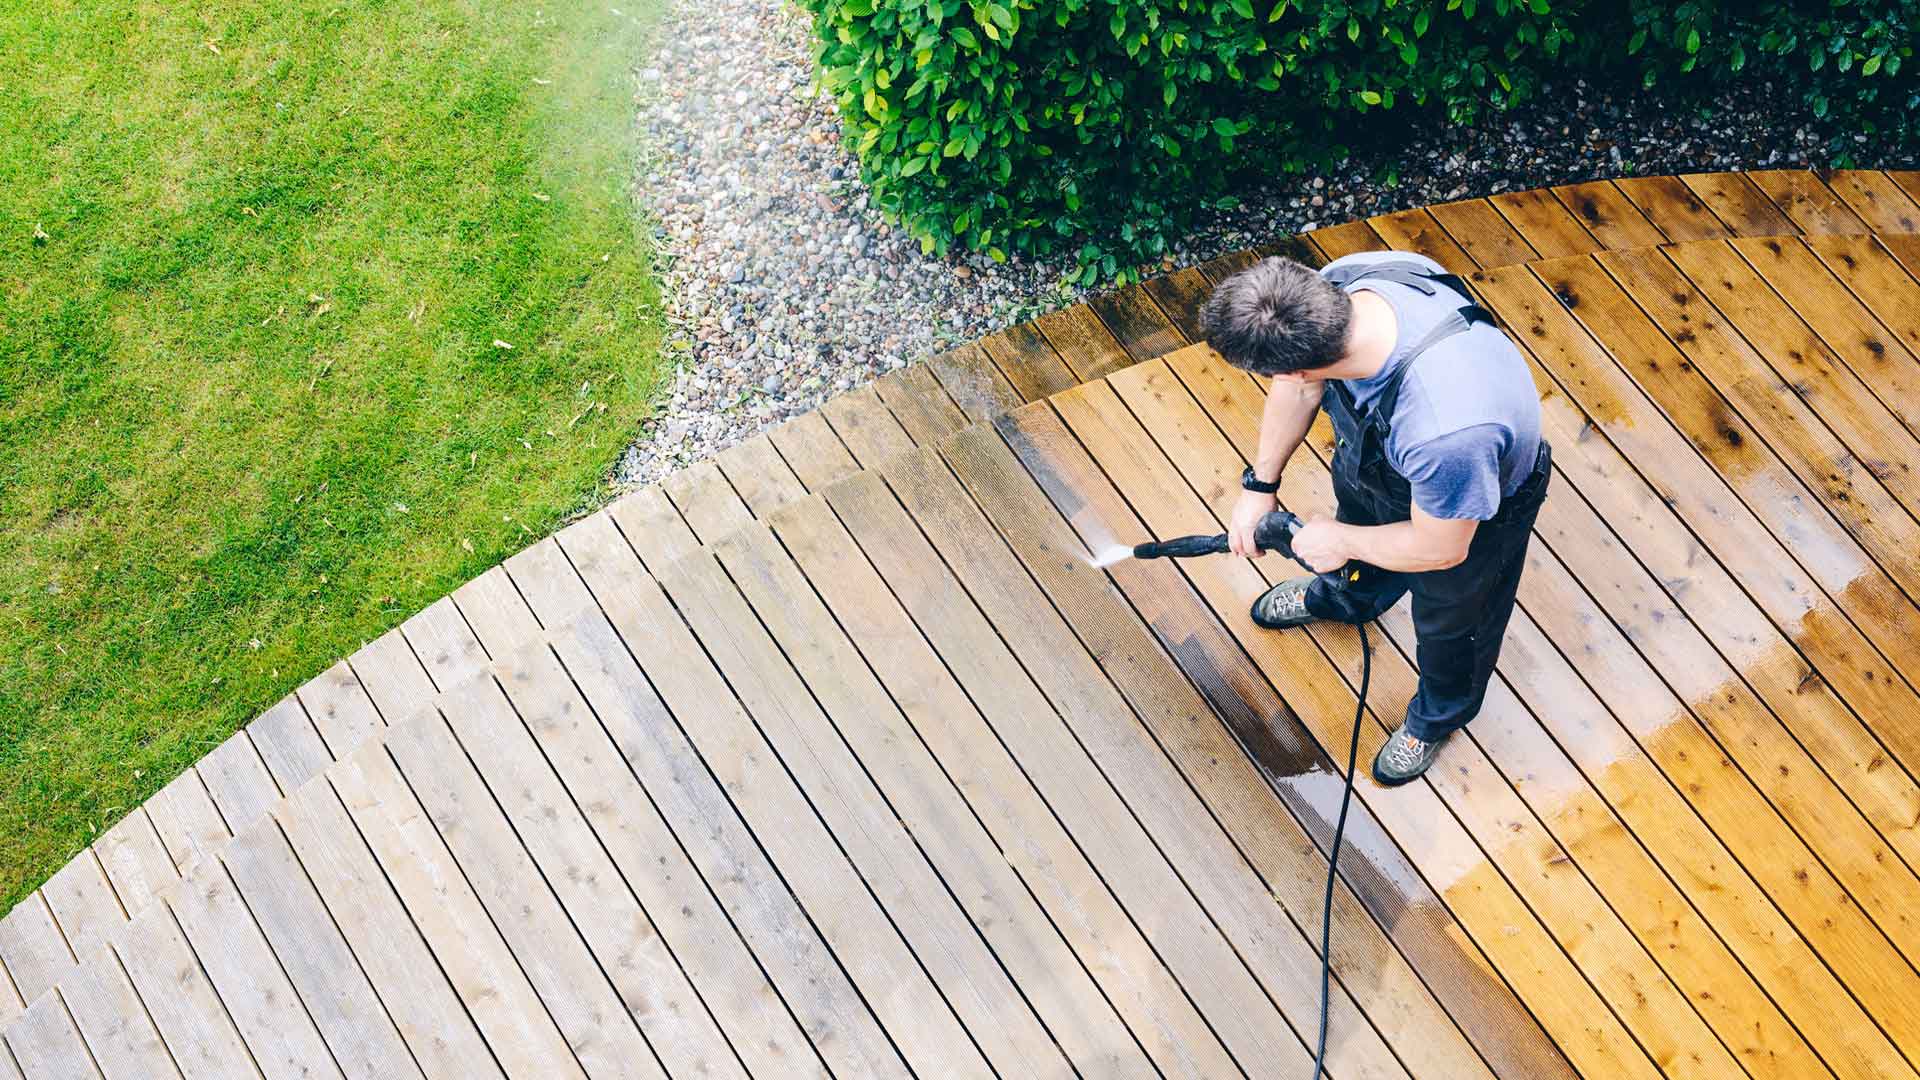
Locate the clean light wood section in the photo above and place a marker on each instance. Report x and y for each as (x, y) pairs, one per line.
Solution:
(837, 756)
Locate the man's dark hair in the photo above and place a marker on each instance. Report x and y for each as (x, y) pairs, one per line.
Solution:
(1277, 316)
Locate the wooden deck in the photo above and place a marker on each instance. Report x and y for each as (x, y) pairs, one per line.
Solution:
(835, 756)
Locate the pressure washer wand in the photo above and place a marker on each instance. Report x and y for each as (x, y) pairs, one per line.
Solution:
(1274, 532)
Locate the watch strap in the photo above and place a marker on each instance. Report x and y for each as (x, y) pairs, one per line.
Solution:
(1253, 483)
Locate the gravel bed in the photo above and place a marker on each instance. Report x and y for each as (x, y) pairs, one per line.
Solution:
(783, 288)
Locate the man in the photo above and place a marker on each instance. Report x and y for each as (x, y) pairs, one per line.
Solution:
(1438, 467)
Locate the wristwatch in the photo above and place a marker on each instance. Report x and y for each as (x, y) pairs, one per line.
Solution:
(1253, 483)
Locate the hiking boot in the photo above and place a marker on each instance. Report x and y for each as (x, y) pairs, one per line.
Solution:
(1284, 605)
(1404, 758)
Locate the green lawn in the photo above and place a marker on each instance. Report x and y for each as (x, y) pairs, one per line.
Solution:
(309, 311)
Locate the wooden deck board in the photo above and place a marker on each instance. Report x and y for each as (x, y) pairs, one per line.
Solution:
(570, 982)
(1877, 279)
(1810, 204)
(176, 994)
(392, 675)
(891, 778)
(920, 405)
(1082, 342)
(655, 529)
(36, 954)
(1027, 362)
(706, 500)
(628, 948)
(1180, 295)
(1134, 319)
(865, 426)
(970, 378)
(960, 1000)
(113, 1022)
(1847, 489)
(47, 1043)
(521, 1032)
(912, 787)
(418, 996)
(288, 744)
(821, 879)
(759, 474)
(495, 612)
(1606, 212)
(1857, 412)
(551, 587)
(83, 904)
(716, 962)
(238, 781)
(815, 454)
(1548, 227)
(1673, 208)
(1847, 329)
(186, 819)
(446, 646)
(1737, 201)
(252, 987)
(814, 989)
(340, 708)
(1483, 232)
(308, 946)
(135, 861)
(1876, 199)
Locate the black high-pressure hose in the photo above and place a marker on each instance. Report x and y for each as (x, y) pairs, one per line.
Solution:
(1333, 852)
(1275, 533)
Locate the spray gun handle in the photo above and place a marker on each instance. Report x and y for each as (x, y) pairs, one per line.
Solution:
(1275, 532)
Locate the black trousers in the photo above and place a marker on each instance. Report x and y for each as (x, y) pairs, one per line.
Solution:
(1459, 614)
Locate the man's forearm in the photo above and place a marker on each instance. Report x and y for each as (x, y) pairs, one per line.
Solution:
(1405, 546)
(1284, 424)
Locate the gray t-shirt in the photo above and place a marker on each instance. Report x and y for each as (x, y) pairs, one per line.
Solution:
(1466, 430)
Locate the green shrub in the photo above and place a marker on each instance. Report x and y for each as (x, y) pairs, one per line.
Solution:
(1846, 59)
(1031, 125)
(1023, 124)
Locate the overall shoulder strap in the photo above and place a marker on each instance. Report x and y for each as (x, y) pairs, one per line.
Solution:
(1458, 322)
(1406, 272)
(1423, 279)
(1414, 275)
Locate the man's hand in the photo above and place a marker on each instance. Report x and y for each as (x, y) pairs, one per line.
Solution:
(1246, 514)
(1322, 544)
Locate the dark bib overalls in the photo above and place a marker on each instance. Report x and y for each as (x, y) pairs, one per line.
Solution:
(1459, 614)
